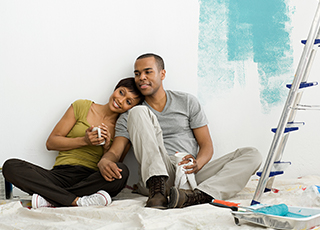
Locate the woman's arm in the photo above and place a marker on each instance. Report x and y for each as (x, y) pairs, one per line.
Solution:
(58, 140)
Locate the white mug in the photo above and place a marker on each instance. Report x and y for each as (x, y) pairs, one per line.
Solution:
(99, 134)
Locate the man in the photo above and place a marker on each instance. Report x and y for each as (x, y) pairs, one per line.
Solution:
(170, 122)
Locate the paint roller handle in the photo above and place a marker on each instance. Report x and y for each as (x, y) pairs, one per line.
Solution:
(224, 204)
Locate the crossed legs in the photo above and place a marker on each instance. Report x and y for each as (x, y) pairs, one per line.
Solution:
(220, 179)
(62, 185)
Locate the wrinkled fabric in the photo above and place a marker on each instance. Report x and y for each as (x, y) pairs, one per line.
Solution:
(183, 180)
(127, 211)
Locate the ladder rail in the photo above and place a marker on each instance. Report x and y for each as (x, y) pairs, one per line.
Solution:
(297, 100)
(304, 79)
(291, 118)
(300, 74)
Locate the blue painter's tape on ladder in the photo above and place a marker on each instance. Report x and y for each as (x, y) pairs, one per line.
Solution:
(275, 173)
(286, 130)
(253, 202)
(304, 85)
(317, 41)
(277, 169)
(267, 190)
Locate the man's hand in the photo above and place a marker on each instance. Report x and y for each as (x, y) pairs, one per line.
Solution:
(109, 170)
(192, 168)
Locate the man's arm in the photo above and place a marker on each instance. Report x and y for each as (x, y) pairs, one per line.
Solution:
(205, 153)
(107, 164)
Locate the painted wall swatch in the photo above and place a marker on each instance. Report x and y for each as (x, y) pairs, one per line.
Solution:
(232, 32)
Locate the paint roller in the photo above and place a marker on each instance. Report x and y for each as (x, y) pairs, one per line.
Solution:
(276, 210)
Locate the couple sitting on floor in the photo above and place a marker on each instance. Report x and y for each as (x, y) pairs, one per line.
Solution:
(157, 123)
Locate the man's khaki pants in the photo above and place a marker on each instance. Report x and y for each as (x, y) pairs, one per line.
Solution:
(221, 178)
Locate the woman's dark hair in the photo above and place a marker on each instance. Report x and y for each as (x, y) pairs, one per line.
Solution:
(130, 84)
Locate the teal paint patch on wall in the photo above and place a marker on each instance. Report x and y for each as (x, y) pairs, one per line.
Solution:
(234, 31)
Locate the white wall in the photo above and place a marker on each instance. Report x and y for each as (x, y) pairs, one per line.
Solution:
(244, 122)
(55, 52)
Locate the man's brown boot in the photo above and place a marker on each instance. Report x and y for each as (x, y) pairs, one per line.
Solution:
(157, 192)
(180, 198)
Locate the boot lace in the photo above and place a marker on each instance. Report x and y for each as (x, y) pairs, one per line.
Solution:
(156, 185)
(196, 197)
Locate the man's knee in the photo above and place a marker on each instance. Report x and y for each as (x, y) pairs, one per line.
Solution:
(255, 155)
(137, 112)
(142, 115)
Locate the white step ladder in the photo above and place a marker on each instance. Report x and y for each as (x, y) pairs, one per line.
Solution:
(273, 165)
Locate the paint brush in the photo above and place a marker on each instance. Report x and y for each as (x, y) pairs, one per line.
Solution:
(227, 204)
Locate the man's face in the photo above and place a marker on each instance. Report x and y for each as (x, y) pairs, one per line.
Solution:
(147, 76)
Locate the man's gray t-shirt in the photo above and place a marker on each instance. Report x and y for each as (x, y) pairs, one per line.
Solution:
(181, 114)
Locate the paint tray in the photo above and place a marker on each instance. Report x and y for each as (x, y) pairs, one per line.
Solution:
(312, 218)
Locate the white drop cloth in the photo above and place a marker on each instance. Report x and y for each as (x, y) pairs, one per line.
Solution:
(127, 212)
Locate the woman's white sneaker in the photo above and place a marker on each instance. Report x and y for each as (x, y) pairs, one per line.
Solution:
(101, 198)
(38, 202)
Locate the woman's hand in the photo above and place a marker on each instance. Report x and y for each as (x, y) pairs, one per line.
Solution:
(91, 137)
(192, 168)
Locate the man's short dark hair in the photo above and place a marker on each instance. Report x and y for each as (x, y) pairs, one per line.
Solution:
(159, 60)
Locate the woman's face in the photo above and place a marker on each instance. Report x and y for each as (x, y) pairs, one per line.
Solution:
(122, 100)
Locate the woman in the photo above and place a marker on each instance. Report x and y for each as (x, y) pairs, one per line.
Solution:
(75, 179)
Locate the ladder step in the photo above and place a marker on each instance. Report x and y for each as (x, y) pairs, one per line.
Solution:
(281, 165)
(253, 202)
(291, 126)
(277, 168)
(274, 173)
(316, 41)
(304, 85)
(286, 130)
(295, 124)
(306, 107)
